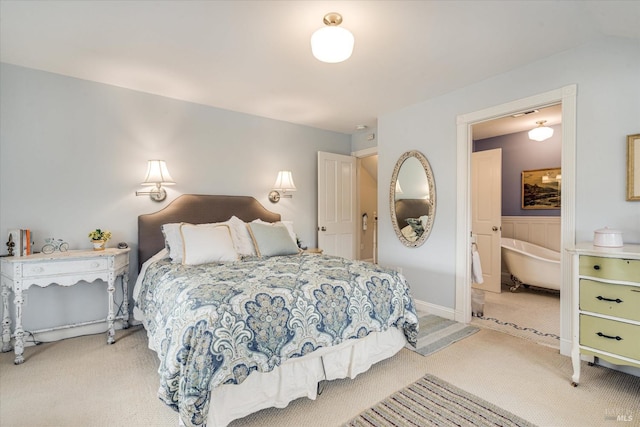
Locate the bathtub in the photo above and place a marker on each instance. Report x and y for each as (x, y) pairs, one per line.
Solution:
(531, 264)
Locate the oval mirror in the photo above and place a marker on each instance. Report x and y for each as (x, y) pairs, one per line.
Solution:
(412, 198)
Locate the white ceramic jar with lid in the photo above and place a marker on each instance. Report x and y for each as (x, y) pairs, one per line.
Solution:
(607, 238)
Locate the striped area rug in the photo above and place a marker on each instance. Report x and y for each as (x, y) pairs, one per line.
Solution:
(435, 333)
(431, 401)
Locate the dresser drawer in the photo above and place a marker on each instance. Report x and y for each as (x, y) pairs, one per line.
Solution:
(613, 300)
(63, 267)
(610, 268)
(607, 335)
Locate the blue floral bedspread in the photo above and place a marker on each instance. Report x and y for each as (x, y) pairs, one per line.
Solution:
(216, 324)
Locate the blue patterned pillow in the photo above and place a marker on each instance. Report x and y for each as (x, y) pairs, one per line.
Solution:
(272, 240)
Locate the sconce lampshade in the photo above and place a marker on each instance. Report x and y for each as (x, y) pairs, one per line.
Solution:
(284, 182)
(157, 173)
(541, 132)
(332, 43)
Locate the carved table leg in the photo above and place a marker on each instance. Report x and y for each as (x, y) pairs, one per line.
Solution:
(111, 289)
(6, 319)
(19, 345)
(125, 299)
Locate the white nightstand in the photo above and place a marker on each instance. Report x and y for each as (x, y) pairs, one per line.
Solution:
(64, 269)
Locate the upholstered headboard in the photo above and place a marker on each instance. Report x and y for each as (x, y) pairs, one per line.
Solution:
(411, 208)
(195, 209)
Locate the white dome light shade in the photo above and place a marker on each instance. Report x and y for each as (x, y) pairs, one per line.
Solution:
(541, 132)
(332, 44)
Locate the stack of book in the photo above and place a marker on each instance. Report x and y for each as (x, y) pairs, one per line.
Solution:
(20, 242)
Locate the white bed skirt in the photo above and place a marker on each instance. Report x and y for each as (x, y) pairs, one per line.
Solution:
(300, 377)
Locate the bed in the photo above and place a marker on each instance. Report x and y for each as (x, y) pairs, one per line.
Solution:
(237, 335)
(412, 216)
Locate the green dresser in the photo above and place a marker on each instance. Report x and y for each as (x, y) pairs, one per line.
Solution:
(606, 302)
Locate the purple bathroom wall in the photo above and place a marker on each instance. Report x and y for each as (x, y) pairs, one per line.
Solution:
(520, 153)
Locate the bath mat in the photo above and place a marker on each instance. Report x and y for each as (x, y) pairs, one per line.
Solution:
(432, 401)
(436, 333)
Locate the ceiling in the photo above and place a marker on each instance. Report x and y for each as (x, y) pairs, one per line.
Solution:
(254, 56)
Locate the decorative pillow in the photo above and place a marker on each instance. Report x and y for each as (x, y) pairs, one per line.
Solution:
(241, 237)
(173, 240)
(288, 225)
(207, 243)
(239, 234)
(272, 240)
(409, 233)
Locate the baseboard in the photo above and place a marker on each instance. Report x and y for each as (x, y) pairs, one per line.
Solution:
(565, 347)
(438, 310)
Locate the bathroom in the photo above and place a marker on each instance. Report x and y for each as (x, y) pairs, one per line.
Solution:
(525, 197)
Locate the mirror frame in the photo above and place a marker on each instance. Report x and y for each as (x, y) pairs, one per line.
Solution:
(432, 197)
(633, 167)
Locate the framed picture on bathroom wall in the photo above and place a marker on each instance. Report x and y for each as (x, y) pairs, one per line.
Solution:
(541, 188)
(633, 167)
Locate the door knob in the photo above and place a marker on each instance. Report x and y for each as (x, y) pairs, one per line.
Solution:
(494, 228)
(323, 228)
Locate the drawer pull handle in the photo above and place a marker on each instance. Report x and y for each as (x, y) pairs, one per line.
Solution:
(596, 267)
(601, 298)
(617, 337)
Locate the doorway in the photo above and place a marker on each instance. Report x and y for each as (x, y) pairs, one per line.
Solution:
(367, 172)
(567, 97)
(502, 150)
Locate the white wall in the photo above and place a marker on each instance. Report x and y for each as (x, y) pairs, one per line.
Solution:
(73, 152)
(608, 104)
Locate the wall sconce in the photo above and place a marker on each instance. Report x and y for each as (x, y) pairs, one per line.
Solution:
(541, 132)
(157, 174)
(284, 183)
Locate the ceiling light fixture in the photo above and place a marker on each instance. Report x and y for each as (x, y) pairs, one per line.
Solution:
(332, 43)
(541, 132)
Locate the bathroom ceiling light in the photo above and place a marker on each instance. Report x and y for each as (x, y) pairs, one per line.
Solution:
(541, 132)
(332, 43)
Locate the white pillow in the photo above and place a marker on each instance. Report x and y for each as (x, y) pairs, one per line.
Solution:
(239, 234)
(241, 237)
(206, 243)
(409, 233)
(173, 240)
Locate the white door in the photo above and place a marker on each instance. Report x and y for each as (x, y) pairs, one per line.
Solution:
(337, 204)
(486, 211)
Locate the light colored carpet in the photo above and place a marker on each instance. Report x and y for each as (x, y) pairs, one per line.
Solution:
(84, 382)
(529, 313)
